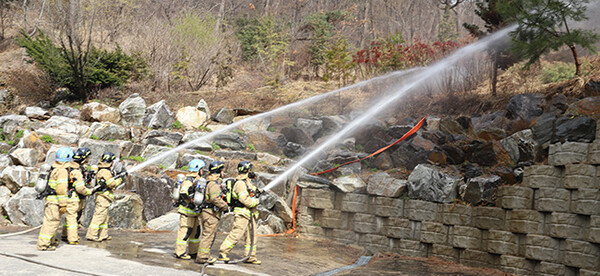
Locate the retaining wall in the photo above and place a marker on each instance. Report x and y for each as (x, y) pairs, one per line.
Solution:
(548, 225)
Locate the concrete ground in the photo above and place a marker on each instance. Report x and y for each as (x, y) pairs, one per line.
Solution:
(150, 253)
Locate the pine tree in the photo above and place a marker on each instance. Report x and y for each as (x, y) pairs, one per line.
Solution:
(543, 26)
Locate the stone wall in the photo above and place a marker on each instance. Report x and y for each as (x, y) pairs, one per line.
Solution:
(548, 225)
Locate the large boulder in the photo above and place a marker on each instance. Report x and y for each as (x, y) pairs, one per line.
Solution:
(479, 190)
(197, 143)
(66, 111)
(574, 129)
(97, 112)
(98, 148)
(493, 133)
(293, 150)
(255, 124)
(282, 210)
(108, 131)
(311, 127)
(229, 140)
(349, 184)
(409, 155)
(9, 122)
(527, 106)
(275, 223)
(543, 127)
(126, 212)
(15, 177)
(32, 140)
(167, 222)
(169, 161)
(190, 117)
(5, 195)
(492, 120)
(520, 146)
(25, 157)
(63, 130)
(454, 154)
(234, 154)
(224, 115)
(451, 126)
(589, 107)
(267, 141)
(431, 184)
(133, 110)
(155, 193)
(159, 115)
(481, 153)
(24, 209)
(331, 124)
(162, 138)
(129, 149)
(592, 88)
(5, 161)
(382, 184)
(297, 135)
(38, 113)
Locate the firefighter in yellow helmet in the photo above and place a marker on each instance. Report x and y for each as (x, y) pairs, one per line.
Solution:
(98, 229)
(76, 193)
(211, 211)
(244, 204)
(188, 232)
(56, 199)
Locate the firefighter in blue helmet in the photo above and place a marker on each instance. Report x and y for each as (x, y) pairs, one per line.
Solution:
(188, 234)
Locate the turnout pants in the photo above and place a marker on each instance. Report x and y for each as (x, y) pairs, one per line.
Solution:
(188, 233)
(70, 223)
(210, 221)
(241, 228)
(98, 229)
(50, 225)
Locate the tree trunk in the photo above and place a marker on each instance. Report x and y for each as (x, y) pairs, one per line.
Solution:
(577, 62)
(220, 16)
(495, 58)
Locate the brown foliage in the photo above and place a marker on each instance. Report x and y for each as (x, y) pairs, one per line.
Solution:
(31, 87)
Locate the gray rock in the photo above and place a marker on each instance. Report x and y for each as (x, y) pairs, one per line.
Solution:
(264, 229)
(5, 161)
(162, 138)
(267, 141)
(169, 161)
(235, 154)
(267, 158)
(63, 130)
(38, 113)
(255, 124)
(226, 222)
(203, 106)
(431, 184)
(527, 106)
(331, 124)
(433, 123)
(202, 145)
(283, 211)
(25, 156)
(382, 184)
(229, 141)
(133, 110)
(349, 184)
(409, 156)
(108, 131)
(8, 121)
(98, 148)
(574, 129)
(293, 150)
(492, 120)
(224, 115)
(187, 157)
(4, 147)
(479, 190)
(155, 193)
(314, 179)
(126, 212)
(190, 117)
(15, 177)
(159, 115)
(310, 127)
(451, 126)
(167, 222)
(5, 195)
(268, 200)
(59, 136)
(4, 95)
(24, 209)
(520, 146)
(275, 223)
(97, 112)
(544, 127)
(397, 131)
(129, 148)
(481, 153)
(66, 111)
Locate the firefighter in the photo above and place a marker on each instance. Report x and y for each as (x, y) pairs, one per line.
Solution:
(98, 229)
(244, 201)
(56, 199)
(211, 211)
(77, 192)
(188, 232)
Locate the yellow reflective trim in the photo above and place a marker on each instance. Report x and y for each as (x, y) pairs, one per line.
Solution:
(45, 237)
(194, 240)
(204, 250)
(241, 210)
(229, 244)
(71, 226)
(94, 226)
(103, 226)
(182, 242)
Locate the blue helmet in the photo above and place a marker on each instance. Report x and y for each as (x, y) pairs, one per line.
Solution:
(195, 165)
(64, 154)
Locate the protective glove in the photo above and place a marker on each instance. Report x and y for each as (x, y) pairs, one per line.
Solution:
(251, 175)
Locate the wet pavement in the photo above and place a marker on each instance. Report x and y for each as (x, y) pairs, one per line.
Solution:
(151, 253)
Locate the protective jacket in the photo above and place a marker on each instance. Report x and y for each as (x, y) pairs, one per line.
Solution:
(189, 231)
(77, 190)
(55, 204)
(210, 217)
(98, 229)
(241, 192)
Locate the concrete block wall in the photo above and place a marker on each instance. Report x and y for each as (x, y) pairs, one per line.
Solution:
(548, 225)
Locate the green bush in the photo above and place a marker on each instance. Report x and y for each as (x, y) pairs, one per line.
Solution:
(184, 168)
(19, 134)
(135, 158)
(162, 167)
(94, 137)
(47, 139)
(203, 128)
(250, 147)
(177, 125)
(98, 68)
(558, 71)
(215, 146)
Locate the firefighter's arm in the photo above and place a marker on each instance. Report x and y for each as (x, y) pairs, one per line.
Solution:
(105, 174)
(79, 184)
(242, 191)
(213, 194)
